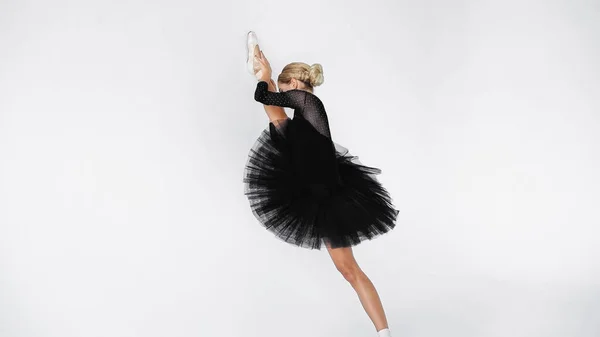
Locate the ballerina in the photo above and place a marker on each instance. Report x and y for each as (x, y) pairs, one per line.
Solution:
(306, 189)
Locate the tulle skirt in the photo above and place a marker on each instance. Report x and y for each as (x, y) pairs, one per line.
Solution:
(340, 212)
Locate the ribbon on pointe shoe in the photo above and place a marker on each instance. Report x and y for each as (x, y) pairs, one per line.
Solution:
(256, 66)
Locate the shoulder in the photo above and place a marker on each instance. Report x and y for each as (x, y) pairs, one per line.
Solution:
(306, 93)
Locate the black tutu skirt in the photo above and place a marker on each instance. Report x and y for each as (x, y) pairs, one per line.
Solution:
(340, 209)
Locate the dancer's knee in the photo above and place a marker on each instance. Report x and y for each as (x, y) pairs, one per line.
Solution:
(350, 271)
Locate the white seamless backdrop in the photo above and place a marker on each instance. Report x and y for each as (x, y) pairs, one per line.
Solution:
(125, 126)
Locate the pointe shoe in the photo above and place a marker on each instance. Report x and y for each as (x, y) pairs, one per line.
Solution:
(253, 50)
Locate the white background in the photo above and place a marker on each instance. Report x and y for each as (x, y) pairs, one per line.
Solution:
(125, 126)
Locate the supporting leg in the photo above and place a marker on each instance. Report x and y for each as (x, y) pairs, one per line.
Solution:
(344, 261)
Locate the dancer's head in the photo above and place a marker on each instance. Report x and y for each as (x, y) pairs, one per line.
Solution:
(299, 75)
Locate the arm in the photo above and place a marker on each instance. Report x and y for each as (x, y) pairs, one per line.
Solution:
(275, 113)
(282, 99)
(294, 99)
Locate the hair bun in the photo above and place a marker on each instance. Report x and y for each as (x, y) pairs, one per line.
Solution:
(316, 75)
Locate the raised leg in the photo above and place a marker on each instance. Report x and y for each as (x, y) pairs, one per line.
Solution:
(275, 113)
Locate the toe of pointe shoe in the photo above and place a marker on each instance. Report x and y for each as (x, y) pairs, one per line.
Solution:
(252, 38)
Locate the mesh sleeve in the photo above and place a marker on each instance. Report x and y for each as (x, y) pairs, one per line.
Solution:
(306, 105)
(288, 99)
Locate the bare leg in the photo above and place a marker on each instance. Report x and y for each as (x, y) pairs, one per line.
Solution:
(344, 261)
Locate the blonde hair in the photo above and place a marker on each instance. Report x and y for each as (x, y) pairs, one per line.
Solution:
(312, 76)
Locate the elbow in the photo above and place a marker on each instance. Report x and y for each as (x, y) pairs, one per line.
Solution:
(260, 91)
(258, 97)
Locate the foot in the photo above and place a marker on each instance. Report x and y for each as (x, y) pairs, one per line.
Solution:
(253, 50)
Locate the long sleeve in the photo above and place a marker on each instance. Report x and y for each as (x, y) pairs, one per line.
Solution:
(306, 105)
(288, 99)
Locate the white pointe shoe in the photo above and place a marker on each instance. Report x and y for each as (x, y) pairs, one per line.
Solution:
(253, 50)
(384, 333)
